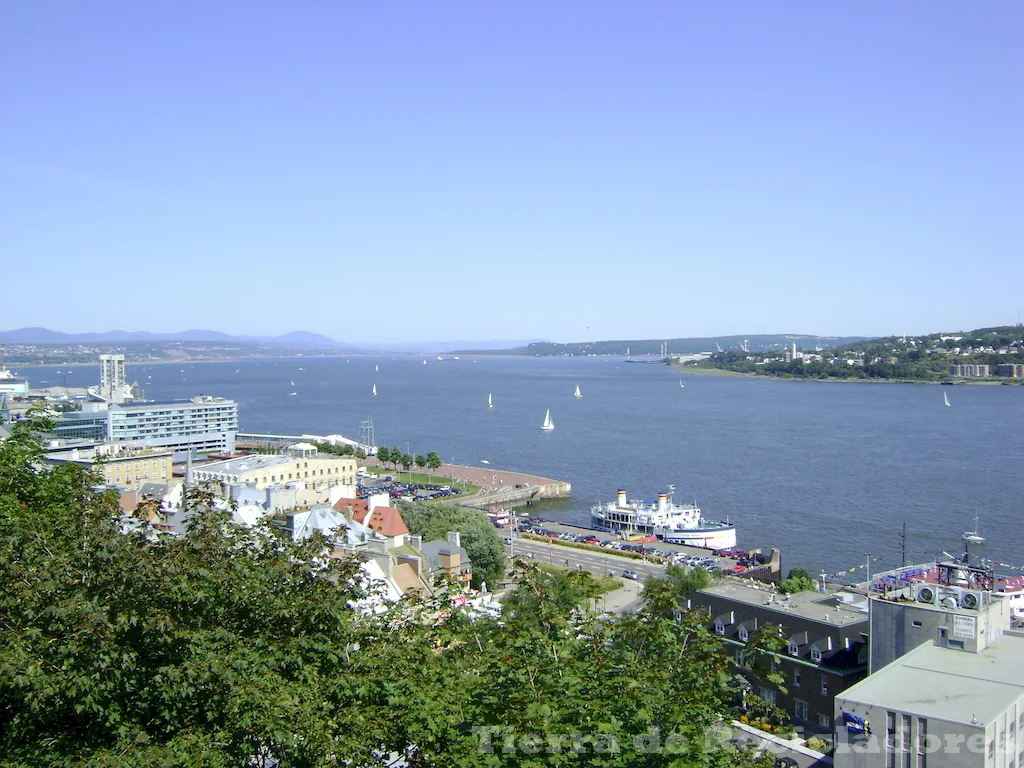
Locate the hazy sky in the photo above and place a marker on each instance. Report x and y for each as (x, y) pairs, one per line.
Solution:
(560, 170)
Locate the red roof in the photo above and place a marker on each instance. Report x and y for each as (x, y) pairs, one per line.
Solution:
(387, 521)
(357, 507)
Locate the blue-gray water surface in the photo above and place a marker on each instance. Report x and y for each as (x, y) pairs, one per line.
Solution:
(825, 471)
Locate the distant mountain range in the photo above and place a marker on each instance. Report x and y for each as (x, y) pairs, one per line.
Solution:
(46, 336)
(293, 340)
(680, 346)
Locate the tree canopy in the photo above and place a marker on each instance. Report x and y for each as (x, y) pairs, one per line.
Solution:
(478, 536)
(231, 646)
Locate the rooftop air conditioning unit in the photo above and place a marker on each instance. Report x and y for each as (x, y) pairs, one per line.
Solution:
(970, 600)
(925, 593)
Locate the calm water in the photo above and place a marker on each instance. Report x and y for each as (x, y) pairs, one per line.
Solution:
(825, 471)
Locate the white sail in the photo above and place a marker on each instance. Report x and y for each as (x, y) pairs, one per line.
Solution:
(548, 423)
(376, 368)
(490, 404)
(680, 383)
(577, 393)
(945, 399)
(374, 390)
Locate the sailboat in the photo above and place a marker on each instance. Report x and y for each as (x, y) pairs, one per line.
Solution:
(680, 383)
(376, 368)
(424, 362)
(973, 537)
(490, 404)
(548, 423)
(945, 399)
(577, 393)
(374, 390)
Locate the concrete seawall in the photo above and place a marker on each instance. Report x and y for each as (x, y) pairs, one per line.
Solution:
(499, 488)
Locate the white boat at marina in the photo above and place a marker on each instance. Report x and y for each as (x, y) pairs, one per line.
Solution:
(548, 423)
(577, 393)
(675, 523)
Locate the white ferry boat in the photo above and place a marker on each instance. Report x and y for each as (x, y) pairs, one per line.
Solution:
(675, 523)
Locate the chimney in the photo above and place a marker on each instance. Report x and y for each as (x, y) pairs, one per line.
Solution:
(622, 498)
(416, 542)
(454, 538)
(662, 502)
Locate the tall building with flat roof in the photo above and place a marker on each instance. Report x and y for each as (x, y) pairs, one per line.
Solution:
(112, 380)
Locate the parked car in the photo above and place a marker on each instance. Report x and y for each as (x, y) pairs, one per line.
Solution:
(739, 568)
(628, 574)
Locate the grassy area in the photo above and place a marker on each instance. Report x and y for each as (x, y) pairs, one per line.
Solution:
(596, 586)
(401, 476)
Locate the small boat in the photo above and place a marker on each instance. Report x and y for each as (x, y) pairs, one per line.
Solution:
(292, 394)
(973, 537)
(376, 368)
(577, 393)
(293, 383)
(484, 461)
(455, 358)
(424, 362)
(548, 423)
(440, 358)
(374, 390)
(680, 383)
(945, 399)
(490, 403)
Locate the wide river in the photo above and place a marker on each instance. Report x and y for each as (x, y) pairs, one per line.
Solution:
(827, 472)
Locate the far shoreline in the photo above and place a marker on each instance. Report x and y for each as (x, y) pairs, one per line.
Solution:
(766, 377)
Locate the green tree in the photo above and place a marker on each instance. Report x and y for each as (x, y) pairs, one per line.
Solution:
(421, 461)
(666, 594)
(406, 460)
(396, 456)
(479, 537)
(383, 454)
(433, 461)
(799, 580)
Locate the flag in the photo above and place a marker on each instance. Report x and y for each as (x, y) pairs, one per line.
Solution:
(853, 723)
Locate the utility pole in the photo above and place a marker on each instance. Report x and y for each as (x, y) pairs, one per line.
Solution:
(868, 566)
(903, 544)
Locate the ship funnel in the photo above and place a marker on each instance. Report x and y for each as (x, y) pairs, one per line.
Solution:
(622, 498)
(662, 502)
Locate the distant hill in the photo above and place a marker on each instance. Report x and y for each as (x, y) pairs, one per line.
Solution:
(682, 346)
(46, 336)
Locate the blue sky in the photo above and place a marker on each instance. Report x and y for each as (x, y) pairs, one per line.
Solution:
(570, 171)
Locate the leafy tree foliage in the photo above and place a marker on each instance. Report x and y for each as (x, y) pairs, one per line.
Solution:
(433, 461)
(384, 454)
(124, 645)
(799, 580)
(479, 537)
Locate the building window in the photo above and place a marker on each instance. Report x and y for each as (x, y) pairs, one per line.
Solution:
(890, 740)
(767, 694)
(916, 623)
(796, 678)
(816, 655)
(824, 720)
(922, 738)
(743, 634)
(794, 649)
(800, 710)
(719, 627)
(992, 751)
(824, 686)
